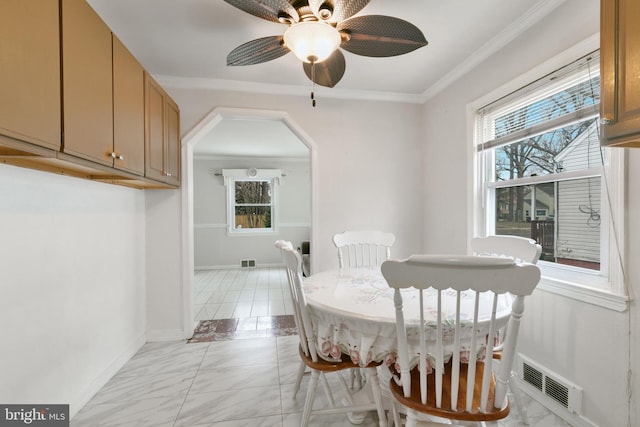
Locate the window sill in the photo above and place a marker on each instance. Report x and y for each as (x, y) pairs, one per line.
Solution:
(250, 232)
(573, 289)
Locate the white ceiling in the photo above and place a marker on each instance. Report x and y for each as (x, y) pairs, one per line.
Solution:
(187, 41)
(233, 137)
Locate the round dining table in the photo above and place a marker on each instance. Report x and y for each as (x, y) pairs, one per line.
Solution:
(354, 315)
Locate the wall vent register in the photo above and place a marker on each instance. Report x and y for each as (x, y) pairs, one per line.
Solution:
(538, 381)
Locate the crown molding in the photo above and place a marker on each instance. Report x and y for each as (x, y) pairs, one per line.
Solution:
(526, 21)
(534, 15)
(200, 83)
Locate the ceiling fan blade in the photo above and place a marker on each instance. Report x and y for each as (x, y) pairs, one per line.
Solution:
(328, 72)
(257, 51)
(271, 10)
(380, 36)
(339, 9)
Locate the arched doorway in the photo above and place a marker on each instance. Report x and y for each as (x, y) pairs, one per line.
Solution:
(200, 131)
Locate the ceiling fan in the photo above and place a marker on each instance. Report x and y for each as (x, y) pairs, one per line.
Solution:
(317, 28)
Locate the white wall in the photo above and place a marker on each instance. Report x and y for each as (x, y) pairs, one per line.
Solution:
(213, 247)
(165, 319)
(367, 167)
(72, 307)
(368, 170)
(584, 343)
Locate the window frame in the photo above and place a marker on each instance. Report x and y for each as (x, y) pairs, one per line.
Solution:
(606, 288)
(231, 176)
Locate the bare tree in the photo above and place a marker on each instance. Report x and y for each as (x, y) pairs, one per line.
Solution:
(536, 155)
(251, 196)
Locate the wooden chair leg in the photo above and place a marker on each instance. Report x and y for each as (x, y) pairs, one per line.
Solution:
(301, 371)
(327, 390)
(372, 374)
(308, 402)
(517, 396)
(397, 422)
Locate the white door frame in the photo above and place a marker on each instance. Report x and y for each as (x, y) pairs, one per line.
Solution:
(201, 129)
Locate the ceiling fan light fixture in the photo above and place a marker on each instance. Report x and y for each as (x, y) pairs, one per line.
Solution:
(312, 41)
(319, 30)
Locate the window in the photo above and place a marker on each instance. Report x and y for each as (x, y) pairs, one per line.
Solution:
(542, 174)
(251, 200)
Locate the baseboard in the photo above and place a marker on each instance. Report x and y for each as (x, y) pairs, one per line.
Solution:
(233, 267)
(215, 267)
(161, 335)
(94, 386)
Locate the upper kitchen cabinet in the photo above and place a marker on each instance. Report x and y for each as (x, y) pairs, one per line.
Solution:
(162, 134)
(128, 110)
(30, 72)
(74, 100)
(173, 142)
(620, 72)
(87, 83)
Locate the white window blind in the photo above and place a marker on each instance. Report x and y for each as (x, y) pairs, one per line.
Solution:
(562, 98)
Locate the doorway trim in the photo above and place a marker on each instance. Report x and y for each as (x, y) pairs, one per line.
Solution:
(202, 128)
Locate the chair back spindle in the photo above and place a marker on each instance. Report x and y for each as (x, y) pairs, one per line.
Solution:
(475, 297)
(363, 248)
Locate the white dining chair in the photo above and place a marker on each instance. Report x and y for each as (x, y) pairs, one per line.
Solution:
(363, 248)
(283, 244)
(520, 249)
(302, 370)
(440, 374)
(309, 355)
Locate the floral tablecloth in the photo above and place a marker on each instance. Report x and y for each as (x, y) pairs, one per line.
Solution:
(354, 315)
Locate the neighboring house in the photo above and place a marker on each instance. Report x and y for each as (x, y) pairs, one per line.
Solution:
(578, 201)
(544, 207)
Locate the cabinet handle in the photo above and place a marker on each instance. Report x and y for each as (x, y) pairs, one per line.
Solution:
(113, 155)
(606, 120)
(168, 174)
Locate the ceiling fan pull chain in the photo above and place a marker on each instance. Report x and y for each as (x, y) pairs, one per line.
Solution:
(313, 81)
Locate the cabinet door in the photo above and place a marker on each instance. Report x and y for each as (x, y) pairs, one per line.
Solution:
(87, 83)
(128, 110)
(154, 130)
(30, 71)
(162, 134)
(620, 68)
(173, 142)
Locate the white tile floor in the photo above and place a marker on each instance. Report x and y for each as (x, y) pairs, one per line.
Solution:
(246, 382)
(241, 293)
(234, 383)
